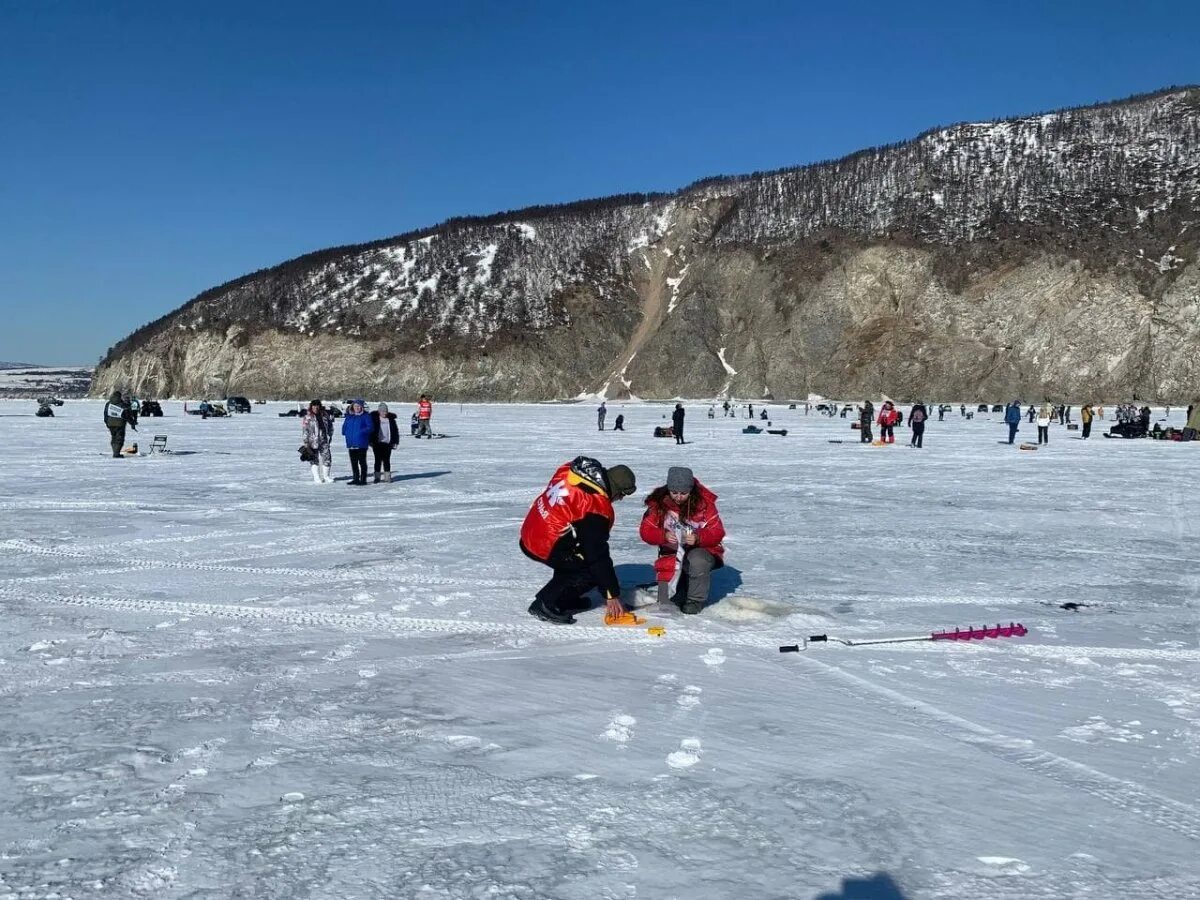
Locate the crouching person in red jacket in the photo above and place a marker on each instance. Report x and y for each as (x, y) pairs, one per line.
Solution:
(683, 522)
(567, 529)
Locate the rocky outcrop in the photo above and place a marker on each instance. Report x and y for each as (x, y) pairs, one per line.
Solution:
(1054, 255)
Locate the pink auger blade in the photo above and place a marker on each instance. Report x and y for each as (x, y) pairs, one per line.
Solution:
(1012, 629)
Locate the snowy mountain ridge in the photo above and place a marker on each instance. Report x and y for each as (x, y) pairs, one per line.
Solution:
(1091, 210)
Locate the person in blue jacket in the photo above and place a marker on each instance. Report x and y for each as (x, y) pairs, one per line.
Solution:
(1012, 416)
(357, 428)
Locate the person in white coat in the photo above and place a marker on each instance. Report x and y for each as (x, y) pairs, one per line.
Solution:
(1043, 424)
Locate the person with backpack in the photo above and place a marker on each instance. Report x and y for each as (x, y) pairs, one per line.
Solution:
(316, 429)
(567, 528)
(683, 522)
(384, 438)
(116, 416)
(1012, 418)
(356, 429)
(916, 421)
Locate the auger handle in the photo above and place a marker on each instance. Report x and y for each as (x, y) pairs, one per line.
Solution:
(790, 648)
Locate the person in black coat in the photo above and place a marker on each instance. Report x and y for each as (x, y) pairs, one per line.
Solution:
(677, 423)
(384, 437)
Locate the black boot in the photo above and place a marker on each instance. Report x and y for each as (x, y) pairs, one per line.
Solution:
(546, 614)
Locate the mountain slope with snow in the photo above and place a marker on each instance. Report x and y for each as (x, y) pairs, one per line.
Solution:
(1051, 254)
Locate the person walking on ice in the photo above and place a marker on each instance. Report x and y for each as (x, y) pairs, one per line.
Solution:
(916, 421)
(567, 528)
(600, 414)
(677, 423)
(683, 522)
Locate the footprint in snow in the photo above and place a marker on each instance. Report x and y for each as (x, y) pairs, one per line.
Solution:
(620, 729)
(714, 657)
(686, 756)
(690, 697)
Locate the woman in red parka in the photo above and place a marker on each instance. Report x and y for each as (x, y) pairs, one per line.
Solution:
(682, 520)
(887, 421)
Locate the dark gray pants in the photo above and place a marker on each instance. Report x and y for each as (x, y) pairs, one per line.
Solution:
(693, 586)
(117, 435)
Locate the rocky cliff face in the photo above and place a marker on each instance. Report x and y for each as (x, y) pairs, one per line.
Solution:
(1054, 255)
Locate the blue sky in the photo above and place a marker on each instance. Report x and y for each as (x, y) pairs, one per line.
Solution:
(149, 151)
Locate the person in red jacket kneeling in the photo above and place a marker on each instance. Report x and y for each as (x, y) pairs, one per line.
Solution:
(682, 520)
(567, 529)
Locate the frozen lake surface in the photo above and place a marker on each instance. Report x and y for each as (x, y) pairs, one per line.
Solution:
(218, 679)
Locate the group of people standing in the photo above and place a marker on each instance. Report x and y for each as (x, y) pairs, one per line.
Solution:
(889, 417)
(362, 431)
(568, 526)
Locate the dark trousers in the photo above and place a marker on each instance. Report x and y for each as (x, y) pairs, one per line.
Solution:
(117, 436)
(918, 433)
(564, 592)
(424, 429)
(696, 577)
(358, 465)
(1087, 430)
(678, 433)
(1043, 434)
(864, 433)
(383, 457)
(887, 434)
(1012, 431)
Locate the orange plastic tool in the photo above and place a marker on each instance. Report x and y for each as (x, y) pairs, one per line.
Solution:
(625, 618)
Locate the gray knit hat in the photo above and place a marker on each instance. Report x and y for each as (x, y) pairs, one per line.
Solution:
(680, 479)
(382, 407)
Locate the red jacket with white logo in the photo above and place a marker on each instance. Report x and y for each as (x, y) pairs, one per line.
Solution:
(699, 513)
(424, 409)
(571, 518)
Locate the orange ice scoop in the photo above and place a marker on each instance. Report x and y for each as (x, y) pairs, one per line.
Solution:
(625, 618)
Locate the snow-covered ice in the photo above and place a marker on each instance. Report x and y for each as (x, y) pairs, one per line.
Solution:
(218, 679)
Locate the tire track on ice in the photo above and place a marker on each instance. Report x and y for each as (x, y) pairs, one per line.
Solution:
(1182, 818)
(375, 623)
(363, 574)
